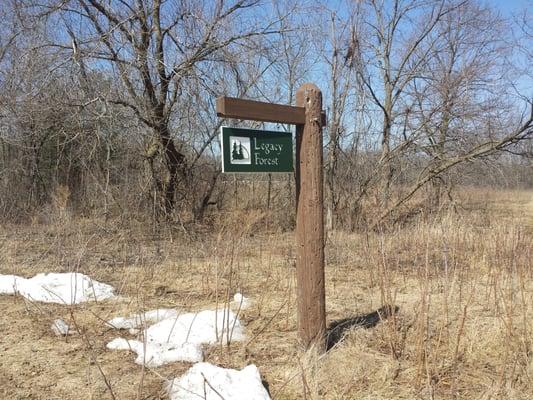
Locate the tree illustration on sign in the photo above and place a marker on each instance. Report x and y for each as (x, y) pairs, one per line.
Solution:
(240, 150)
(237, 152)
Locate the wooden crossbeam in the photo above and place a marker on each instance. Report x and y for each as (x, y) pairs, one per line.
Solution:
(231, 107)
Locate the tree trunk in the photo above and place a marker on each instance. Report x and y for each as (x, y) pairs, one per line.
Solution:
(439, 182)
(200, 208)
(330, 178)
(387, 171)
(175, 164)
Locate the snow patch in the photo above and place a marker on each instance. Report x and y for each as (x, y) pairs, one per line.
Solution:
(9, 283)
(61, 328)
(181, 338)
(240, 302)
(62, 288)
(135, 321)
(208, 326)
(157, 354)
(209, 382)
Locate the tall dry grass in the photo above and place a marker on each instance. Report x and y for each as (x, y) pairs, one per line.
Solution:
(463, 282)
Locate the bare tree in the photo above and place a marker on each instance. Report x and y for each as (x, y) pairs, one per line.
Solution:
(466, 103)
(8, 30)
(394, 33)
(340, 52)
(292, 56)
(460, 86)
(153, 47)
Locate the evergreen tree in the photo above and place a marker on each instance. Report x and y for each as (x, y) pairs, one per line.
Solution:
(241, 155)
(234, 152)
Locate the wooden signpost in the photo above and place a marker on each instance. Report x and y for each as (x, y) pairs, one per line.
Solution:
(309, 118)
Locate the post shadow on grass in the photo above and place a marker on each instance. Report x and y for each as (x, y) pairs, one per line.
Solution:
(338, 329)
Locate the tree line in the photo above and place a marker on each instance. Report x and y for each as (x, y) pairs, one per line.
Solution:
(110, 103)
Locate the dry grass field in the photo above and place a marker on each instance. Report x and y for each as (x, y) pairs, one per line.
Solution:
(462, 282)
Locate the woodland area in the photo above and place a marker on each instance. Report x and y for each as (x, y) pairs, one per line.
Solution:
(107, 107)
(131, 267)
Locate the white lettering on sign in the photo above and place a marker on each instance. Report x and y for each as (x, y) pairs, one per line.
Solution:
(267, 148)
(265, 161)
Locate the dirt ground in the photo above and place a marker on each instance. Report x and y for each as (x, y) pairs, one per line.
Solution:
(463, 284)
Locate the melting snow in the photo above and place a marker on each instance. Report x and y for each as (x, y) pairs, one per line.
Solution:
(209, 382)
(157, 354)
(9, 283)
(138, 320)
(180, 338)
(63, 288)
(61, 328)
(240, 302)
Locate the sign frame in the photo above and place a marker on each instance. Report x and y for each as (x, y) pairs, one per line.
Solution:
(264, 151)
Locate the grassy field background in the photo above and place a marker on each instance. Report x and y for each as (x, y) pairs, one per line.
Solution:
(462, 281)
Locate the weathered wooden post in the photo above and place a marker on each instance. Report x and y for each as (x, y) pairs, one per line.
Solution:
(272, 152)
(310, 220)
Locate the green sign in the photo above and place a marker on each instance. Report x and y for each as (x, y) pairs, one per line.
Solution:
(251, 150)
